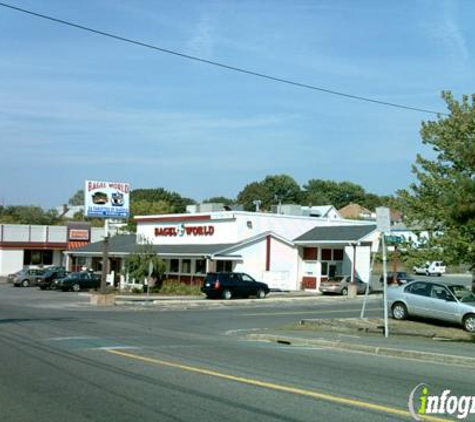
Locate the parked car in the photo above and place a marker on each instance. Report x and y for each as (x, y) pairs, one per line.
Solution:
(401, 278)
(78, 281)
(46, 280)
(430, 268)
(453, 303)
(340, 285)
(27, 277)
(11, 277)
(230, 284)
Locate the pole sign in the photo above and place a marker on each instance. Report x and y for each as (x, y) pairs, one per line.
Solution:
(383, 219)
(106, 199)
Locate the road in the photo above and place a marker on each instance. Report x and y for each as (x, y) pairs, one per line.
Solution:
(64, 361)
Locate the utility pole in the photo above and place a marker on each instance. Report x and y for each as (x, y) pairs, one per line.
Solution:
(385, 290)
(383, 221)
(105, 258)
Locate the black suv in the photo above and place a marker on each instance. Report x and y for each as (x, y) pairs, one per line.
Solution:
(45, 281)
(229, 285)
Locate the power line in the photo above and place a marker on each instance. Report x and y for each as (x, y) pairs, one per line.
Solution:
(218, 64)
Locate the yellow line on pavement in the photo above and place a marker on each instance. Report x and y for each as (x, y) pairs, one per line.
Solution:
(276, 387)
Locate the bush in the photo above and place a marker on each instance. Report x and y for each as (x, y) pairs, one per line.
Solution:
(174, 287)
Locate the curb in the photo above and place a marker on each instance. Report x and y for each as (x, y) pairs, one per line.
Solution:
(199, 302)
(362, 348)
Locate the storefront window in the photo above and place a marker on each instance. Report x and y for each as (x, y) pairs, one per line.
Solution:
(224, 266)
(174, 265)
(310, 254)
(186, 266)
(338, 254)
(326, 254)
(32, 257)
(324, 268)
(200, 266)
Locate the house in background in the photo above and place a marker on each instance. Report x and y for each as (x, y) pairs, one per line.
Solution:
(357, 212)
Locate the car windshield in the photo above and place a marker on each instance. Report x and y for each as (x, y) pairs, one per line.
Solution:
(462, 294)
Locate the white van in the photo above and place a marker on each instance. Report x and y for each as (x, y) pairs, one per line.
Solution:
(431, 268)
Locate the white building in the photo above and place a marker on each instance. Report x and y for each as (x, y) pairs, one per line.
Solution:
(23, 245)
(286, 251)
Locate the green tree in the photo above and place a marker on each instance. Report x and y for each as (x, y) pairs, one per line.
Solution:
(283, 189)
(270, 191)
(143, 207)
(27, 214)
(219, 200)
(329, 192)
(136, 265)
(77, 198)
(252, 192)
(177, 202)
(443, 198)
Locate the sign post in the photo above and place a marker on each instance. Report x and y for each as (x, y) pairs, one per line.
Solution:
(149, 279)
(383, 221)
(106, 200)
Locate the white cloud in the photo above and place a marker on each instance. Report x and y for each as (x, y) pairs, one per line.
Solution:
(445, 31)
(201, 43)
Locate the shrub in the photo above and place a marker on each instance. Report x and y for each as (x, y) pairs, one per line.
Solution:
(174, 287)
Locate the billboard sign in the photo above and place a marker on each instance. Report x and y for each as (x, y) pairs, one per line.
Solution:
(106, 199)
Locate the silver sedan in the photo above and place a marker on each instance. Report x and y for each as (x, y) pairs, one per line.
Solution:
(453, 303)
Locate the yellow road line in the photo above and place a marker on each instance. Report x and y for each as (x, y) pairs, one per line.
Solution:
(277, 387)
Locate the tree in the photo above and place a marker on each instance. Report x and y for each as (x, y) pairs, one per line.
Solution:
(142, 207)
(77, 198)
(219, 200)
(329, 192)
(283, 189)
(274, 189)
(27, 214)
(252, 192)
(137, 264)
(443, 198)
(177, 202)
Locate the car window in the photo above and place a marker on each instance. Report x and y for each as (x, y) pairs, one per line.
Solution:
(247, 278)
(235, 278)
(462, 294)
(439, 292)
(420, 289)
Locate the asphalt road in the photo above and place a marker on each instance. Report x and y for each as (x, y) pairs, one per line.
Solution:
(64, 361)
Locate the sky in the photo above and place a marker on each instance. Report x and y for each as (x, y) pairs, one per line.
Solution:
(77, 106)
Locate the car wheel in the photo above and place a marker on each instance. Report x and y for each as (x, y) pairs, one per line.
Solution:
(399, 311)
(261, 294)
(439, 274)
(42, 288)
(344, 291)
(76, 287)
(469, 323)
(227, 294)
(25, 283)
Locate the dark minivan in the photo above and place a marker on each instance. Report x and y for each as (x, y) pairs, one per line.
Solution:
(228, 285)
